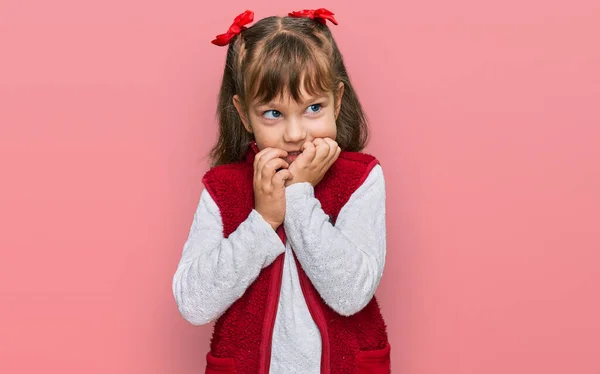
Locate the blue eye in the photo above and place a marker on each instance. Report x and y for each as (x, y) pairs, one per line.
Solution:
(315, 108)
(276, 114)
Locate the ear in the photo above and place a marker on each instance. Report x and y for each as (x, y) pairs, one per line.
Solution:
(338, 104)
(238, 106)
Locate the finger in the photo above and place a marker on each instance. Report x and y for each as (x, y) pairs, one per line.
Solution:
(322, 150)
(260, 154)
(333, 146)
(269, 154)
(257, 158)
(334, 151)
(336, 155)
(308, 152)
(280, 177)
(270, 168)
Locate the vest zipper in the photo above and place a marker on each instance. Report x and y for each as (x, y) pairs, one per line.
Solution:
(271, 312)
(317, 314)
(271, 309)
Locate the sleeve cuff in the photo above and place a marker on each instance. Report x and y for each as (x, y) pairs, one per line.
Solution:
(267, 237)
(300, 189)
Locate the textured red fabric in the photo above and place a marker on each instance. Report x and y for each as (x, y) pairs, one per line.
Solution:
(354, 344)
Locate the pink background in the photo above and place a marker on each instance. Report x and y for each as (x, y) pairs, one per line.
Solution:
(486, 119)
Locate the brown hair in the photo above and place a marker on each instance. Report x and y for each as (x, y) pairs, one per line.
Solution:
(276, 56)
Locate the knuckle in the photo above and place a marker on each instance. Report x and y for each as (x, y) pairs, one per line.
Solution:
(272, 164)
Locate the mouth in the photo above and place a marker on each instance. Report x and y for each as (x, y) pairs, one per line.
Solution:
(291, 157)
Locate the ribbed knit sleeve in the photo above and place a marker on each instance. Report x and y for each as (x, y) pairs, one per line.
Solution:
(215, 271)
(344, 262)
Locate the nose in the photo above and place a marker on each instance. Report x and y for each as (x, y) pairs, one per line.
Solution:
(295, 131)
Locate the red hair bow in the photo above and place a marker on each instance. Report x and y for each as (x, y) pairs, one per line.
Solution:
(236, 27)
(321, 15)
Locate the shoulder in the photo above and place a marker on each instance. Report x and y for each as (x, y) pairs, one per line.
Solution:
(370, 196)
(225, 170)
(355, 166)
(226, 173)
(374, 183)
(358, 158)
(228, 177)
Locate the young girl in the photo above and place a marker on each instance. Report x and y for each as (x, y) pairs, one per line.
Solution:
(288, 243)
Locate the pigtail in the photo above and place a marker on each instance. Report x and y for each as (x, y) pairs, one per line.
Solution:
(352, 124)
(233, 139)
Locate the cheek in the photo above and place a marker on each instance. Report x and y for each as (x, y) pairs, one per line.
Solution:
(265, 136)
(324, 129)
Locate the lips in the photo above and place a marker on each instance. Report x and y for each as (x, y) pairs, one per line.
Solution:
(291, 157)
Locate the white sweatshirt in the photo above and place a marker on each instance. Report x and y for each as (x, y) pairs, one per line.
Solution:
(344, 262)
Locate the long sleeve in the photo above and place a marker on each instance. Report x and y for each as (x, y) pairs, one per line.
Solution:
(344, 262)
(215, 271)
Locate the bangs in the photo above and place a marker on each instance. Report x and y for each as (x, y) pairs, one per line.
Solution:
(287, 65)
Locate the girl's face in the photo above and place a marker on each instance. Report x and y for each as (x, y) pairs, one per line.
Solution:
(288, 124)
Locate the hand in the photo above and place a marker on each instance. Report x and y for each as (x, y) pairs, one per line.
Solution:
(314, 161)
(269, 185)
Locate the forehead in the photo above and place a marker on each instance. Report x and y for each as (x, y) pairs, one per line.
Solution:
(299, 90)
(290, 67)
(287, 98)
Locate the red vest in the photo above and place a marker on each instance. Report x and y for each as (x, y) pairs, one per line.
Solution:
(241, 341)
